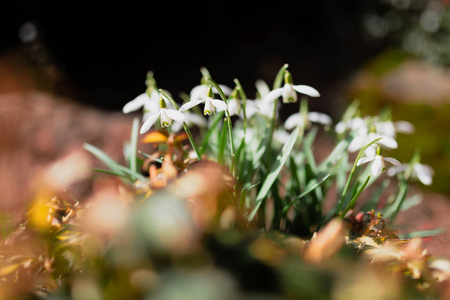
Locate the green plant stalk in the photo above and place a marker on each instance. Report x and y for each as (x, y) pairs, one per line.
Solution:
(186, 128)
(393, 210)
(352, 173)
(352, 202)
(274, 172)
(276, 85)
(133, 144)
(244, 102)
(230, 129)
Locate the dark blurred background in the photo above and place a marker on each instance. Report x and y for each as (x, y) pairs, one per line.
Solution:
(99, 54)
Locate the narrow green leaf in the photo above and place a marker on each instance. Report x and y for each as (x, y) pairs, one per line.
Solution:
(411, 202)
(222, 146)
(392, 210)
(109, 173)
(423, 233)
(111, 164)
(272, 176)
(212, 128)
(103, 157)
(311, 186)
(279, 78)
(243, 194)
(355, 197)
(374, 200)
(133, 145)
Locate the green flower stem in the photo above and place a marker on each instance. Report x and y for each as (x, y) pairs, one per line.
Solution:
(186, 128)
(352, 173)
(396, 206)
(276, 85)
(244, 101)
(230, 129)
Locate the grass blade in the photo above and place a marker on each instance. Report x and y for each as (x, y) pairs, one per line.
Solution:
(311, 186)
(273, 175)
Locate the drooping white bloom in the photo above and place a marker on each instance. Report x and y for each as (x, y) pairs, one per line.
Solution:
(424, 173)
(352, 124)
(390, 128)
(200, 91)
(378, 165)
(289, 91)
(363, 138)
(149, 103)
(211, 105)
(166, 116)
(297, 119)
(234, 107)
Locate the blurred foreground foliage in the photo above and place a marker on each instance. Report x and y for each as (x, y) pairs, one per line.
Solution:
(246, 211)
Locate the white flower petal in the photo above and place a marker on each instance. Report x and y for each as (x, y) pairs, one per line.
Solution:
(386, 129)
(198, 92)
(149, 123)
(357, 143)
(396, 169)
(196, 119)
(293, 121)
(175, 115)
(307, 90)
(424, 173)
(219, 104)
(392, 161)
(378, 165)
(289, 94)
(365, 160)
(226, 90)
(320, 118)
(273, 95)
(234, 107)
(136, 103)
(190, 104)
(209, 108)
(340, 127)
(404, 127)
(388, 142)
(251, 108)
(281, 136)
(262, 88)
(177, 126)
(371, 150)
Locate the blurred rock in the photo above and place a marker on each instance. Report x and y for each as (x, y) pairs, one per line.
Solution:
(417, 82)
(38, 128)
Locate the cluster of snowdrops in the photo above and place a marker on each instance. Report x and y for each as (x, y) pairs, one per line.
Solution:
(238, 208)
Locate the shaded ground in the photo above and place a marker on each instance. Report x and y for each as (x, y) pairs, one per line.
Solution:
(37, 127)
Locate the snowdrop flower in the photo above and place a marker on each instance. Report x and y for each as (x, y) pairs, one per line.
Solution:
(200, 91)
(262, 88)
(363, 138)
(351, 124)
(190, 119)
(289, 91)
(281, 136)
(424, 173)
(211, 105)
(234, 105)
(378, 165)
(164, 114)
(150, 103)
(297, 119)
(389, 128)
